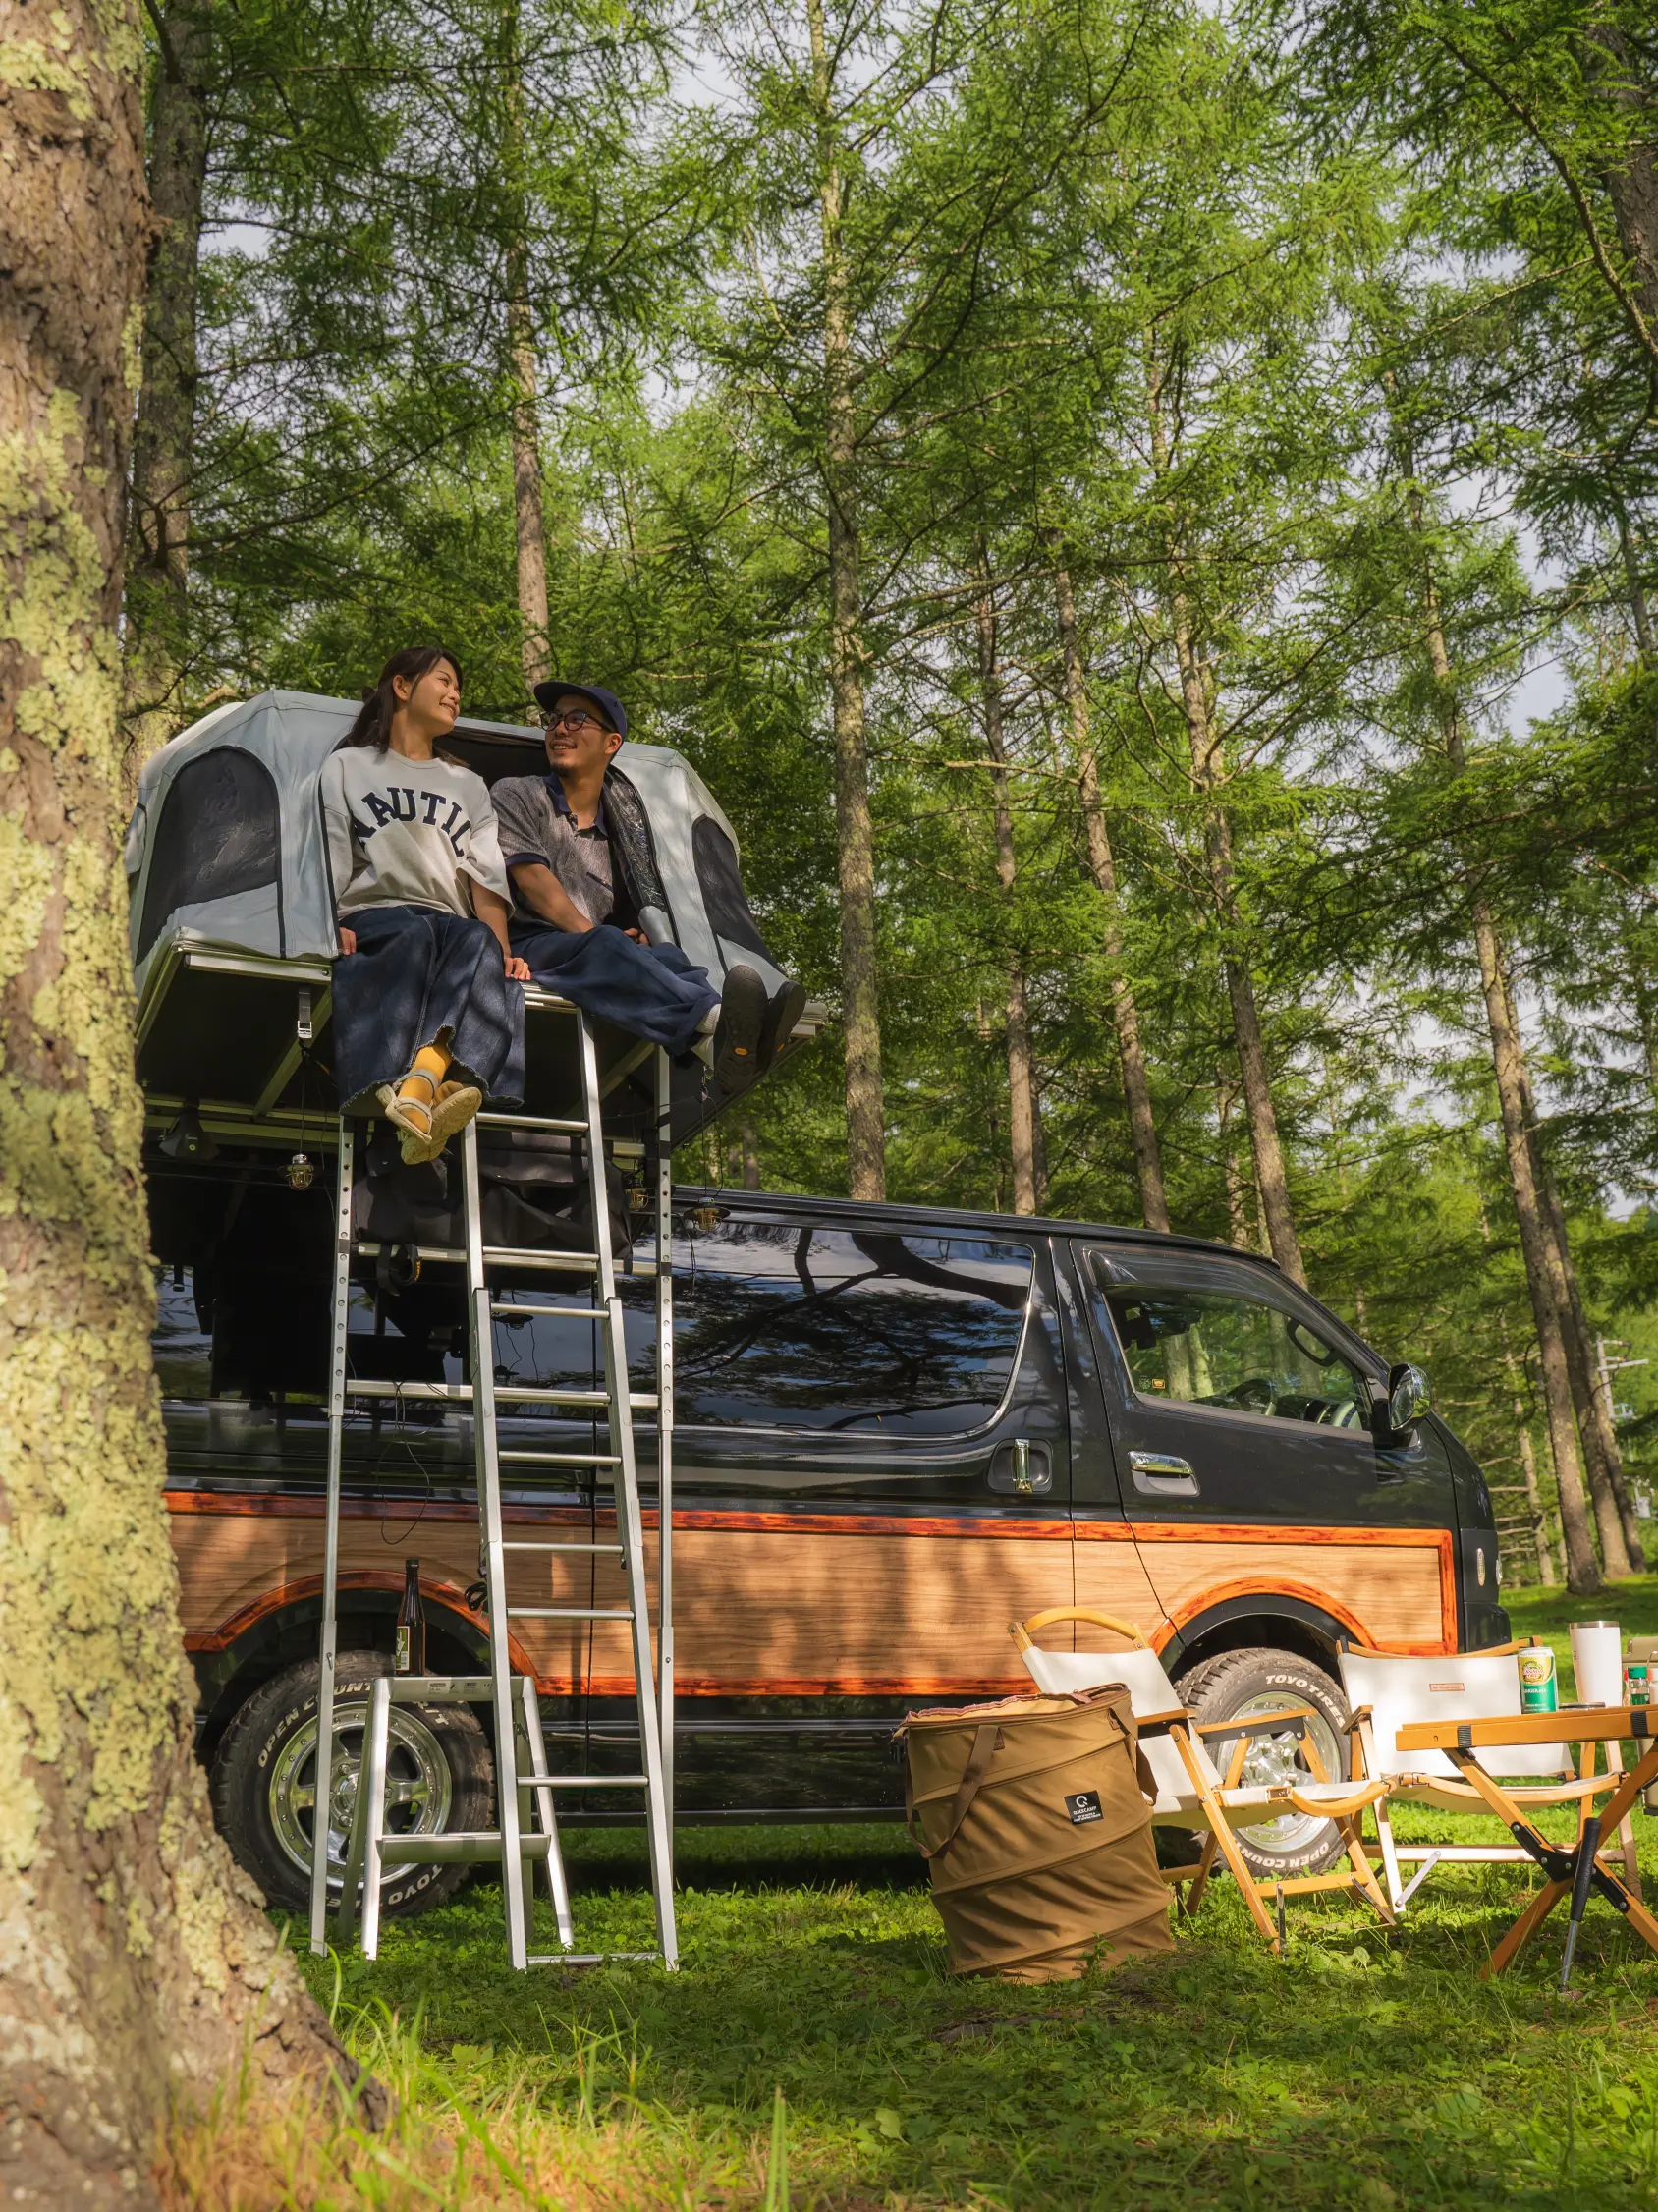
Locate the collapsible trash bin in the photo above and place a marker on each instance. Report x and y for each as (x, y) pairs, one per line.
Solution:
(1036, 1833)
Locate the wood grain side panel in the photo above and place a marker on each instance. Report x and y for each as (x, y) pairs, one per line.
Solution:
(1391, 1588)
(234, 1568)
(860, 1606)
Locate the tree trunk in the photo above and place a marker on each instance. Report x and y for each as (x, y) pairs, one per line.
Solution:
(1632, 184)
(1137, 1087)
(158, 614)
(529, 524)
(1238, 1230)
(137, 1960)
(867, 1173)
(529, 515)
(1528, 1454)
(1622, 1550)
(1639, 608)
(1022, 1095)
(750, 1153)
(1507, 1060)
(1582, 1571)
(1203, 742)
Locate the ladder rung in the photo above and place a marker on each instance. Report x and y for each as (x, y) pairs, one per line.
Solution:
(561, 1459)
(583, 1780)
(587, 1958)
(456, 1392)
(513, 1545)
(528, 1394)
(504, 1311)
(460, 1848)
(531, 1121)
(516, 1255)
(371, 1251)
(567, 1613)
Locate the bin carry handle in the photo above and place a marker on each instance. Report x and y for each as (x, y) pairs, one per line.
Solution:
(987, 1742)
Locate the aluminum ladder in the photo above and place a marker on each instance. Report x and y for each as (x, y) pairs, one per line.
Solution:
(526, 1786)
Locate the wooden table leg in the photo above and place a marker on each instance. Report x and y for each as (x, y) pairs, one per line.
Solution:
(1523, 1929)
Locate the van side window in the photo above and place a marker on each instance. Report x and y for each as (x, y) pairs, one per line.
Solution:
(781, 1325)
(1220, 1347)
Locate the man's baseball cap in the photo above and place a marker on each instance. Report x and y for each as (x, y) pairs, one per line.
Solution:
(548, 695)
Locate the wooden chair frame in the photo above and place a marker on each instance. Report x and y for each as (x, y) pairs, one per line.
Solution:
(1215, 1793)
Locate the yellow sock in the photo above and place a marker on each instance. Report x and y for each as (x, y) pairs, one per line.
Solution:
(431, 1060)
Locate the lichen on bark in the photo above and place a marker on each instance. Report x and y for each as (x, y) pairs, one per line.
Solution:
(134, 1959)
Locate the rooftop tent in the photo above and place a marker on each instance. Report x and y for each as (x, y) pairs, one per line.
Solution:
(232, 909)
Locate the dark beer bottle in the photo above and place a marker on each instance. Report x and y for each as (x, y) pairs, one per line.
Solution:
(411, 1622)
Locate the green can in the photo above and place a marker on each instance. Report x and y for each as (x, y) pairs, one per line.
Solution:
(1539, 1692)
(1637, 1685)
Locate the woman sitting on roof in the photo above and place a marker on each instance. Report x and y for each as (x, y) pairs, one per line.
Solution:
(427, 1013)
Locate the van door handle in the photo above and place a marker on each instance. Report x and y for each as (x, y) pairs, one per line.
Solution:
(1162, 1474)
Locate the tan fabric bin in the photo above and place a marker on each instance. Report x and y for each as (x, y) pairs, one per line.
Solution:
(1036, 1833)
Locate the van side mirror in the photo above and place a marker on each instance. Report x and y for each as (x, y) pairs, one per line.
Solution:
(1409, 1396)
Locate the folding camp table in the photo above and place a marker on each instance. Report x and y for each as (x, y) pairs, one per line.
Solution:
(1571, 1873)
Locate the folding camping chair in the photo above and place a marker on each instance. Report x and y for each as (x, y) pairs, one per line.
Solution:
(1191, 1793)
(1386, 1692)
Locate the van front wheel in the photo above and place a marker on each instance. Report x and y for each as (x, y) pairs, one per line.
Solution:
(1237, 1685)
(439, 1776)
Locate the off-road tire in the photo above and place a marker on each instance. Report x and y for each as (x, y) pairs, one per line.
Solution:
(260, 1757)
(1218, 1688)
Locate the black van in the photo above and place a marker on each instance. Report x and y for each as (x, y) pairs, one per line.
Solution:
(898, 1430)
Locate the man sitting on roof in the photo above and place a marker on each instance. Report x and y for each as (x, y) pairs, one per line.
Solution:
(572, 921)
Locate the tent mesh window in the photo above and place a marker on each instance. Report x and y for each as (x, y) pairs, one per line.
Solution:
(220, 833)
(722, 887)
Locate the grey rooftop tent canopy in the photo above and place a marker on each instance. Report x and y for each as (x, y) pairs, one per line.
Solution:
(232, 918)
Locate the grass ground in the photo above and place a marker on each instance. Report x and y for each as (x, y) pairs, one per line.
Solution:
(1366, 2071)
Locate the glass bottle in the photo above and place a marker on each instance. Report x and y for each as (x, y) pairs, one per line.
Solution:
(411, 1623)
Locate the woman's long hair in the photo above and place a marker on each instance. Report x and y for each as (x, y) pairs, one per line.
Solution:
(372, 728)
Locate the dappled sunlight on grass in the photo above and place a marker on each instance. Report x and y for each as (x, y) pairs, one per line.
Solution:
(1368, 2069)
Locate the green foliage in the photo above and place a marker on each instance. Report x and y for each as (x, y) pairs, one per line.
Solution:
(1274, 328)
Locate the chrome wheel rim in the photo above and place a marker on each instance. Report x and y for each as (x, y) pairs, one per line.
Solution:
(1270, 1762)
(418, 1785)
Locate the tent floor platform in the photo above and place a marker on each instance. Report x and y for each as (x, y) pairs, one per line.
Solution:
(243, 1037)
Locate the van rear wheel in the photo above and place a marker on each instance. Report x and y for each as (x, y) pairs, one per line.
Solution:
(1239, 1684)
(439, 1776)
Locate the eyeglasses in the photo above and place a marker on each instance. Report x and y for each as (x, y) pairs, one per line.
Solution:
(579, 720)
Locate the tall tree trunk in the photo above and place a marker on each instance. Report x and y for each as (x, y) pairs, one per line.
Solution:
(1508, 1060)
(529, 515)
(529, 523)
(1204, 746)
(1583, 1574)
(867, 1171)
(1640, 607)
(1238, 1229)
(1102, 865)
(137, 1960)
(750, 1153)
(1523, 1439)
(157, 612)
(1022, 1092)
(1622, 1550)
(1632, 184)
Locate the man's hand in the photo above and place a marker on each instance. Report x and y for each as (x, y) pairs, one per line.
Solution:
(347, 940)
(518, 970)
(638, 935)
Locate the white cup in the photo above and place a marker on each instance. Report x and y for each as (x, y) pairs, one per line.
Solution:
(1598, 1661)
